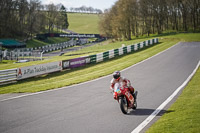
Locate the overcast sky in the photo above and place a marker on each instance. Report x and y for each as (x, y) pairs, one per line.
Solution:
(99, 4)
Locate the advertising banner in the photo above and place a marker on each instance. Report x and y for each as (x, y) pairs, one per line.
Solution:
(77, 62)
(31, 71)
(43, 36)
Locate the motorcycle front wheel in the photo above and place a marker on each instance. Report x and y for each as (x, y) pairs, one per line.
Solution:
(123, 105)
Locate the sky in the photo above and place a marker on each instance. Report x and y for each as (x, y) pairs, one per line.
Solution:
(99, 4)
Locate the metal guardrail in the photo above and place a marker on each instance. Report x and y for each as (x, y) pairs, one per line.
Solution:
(121, 51)
(36, 51)
(8, 75)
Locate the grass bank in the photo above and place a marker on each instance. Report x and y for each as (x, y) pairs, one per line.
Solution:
(183, 116)
(51, 40)
(83, 23)
(90, 72)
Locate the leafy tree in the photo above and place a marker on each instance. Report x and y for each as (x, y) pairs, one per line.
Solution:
(138, 17)
(63, 12)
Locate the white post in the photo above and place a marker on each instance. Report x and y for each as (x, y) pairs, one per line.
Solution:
(41, 55)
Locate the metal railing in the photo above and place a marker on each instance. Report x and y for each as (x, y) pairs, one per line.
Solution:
(8, 75)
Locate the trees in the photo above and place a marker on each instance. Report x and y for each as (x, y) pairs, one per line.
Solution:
(24, 18)
(138, 17)
(22, 11)
(6, 10)
(64, 17)
(105, 24)
(51, 15)
(85, 9)
(33, 14)
(119, 20)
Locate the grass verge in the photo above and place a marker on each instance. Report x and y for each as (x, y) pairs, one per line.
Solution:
(83, 23)
(183, 116)
(51, 40)
(90, 72)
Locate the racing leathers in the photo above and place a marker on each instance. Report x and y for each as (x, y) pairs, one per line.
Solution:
(124, 82)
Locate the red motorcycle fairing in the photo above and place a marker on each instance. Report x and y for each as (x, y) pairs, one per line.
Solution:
(124, 91)
(129, 97)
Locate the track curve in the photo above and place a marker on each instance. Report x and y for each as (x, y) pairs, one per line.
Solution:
(89, 107)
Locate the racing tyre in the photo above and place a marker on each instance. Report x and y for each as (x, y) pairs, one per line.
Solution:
(123, 105)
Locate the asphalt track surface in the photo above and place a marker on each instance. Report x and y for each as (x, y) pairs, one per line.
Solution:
(90, 108)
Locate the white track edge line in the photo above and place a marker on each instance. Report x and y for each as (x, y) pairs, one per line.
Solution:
(160, 108)
(12, 98)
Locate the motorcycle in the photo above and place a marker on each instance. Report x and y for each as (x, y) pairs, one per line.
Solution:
(124, 98)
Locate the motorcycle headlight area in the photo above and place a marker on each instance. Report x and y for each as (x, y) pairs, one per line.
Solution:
(118, 91)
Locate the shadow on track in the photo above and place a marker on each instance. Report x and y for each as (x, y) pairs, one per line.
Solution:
(142, 112)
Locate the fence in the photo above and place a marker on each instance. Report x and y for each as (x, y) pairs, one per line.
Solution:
(30, 52)
(30, 71)
(121, 51)
(8, 75)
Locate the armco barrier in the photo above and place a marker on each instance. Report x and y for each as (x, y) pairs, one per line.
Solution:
(121, 51)
(78, 62)
(31, 71)
(23, 52)
(106, 55)
(93, 58)
(8, 75)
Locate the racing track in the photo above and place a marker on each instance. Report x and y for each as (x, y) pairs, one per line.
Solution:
(89, 107)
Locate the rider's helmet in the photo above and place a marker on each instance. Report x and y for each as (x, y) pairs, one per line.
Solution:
(116, 75)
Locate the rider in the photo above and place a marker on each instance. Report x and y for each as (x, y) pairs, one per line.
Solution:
(118, 79)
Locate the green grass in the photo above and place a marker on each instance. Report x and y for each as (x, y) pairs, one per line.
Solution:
(83, 23)
(80, 23)
(35, 43)
(183, 116)
(51, 40)
(69, 77)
